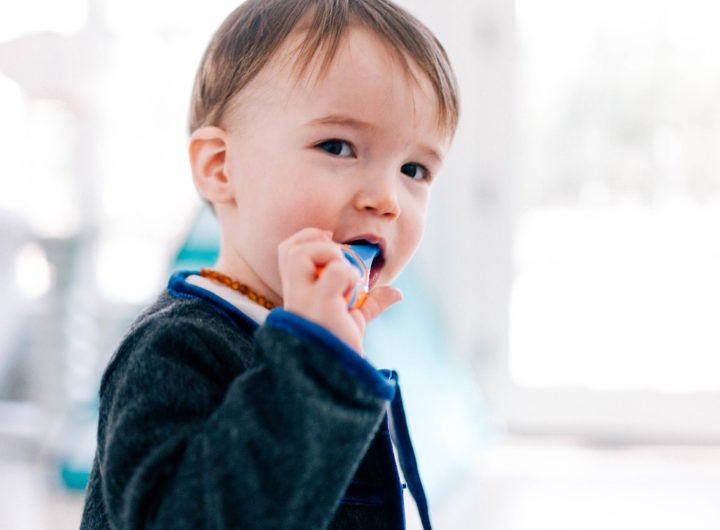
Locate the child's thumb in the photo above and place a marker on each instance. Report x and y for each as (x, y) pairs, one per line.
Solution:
(378, 300)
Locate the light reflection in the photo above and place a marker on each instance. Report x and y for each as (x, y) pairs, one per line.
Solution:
(34, 276)
(129, 269)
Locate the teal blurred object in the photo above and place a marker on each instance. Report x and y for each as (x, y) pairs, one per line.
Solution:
(77, 445)
(201, 247)
(74, 479)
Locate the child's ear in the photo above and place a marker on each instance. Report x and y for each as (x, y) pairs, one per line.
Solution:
(208, 149)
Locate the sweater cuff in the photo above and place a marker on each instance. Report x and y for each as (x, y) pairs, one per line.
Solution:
(346, 357)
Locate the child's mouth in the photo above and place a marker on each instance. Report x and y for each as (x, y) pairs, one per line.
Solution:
(377, 263)
(377, 266)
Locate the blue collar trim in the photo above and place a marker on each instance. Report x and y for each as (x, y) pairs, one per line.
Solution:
(178, 286)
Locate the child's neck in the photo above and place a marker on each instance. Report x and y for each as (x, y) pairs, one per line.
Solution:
(239, 272)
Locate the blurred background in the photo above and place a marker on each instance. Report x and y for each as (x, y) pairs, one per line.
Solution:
(559, 343)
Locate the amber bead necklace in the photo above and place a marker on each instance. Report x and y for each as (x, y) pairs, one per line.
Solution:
(237, 286)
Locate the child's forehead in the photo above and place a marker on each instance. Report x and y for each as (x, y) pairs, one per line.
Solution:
(294, 68)
(307, 60)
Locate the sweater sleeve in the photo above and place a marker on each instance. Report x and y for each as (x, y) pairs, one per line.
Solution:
(275, 449)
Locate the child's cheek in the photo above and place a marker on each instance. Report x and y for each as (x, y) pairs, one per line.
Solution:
(307, 209)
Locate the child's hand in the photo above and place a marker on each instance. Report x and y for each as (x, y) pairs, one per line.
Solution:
(321, 298)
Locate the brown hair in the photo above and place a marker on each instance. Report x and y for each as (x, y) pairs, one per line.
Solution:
(252, 33)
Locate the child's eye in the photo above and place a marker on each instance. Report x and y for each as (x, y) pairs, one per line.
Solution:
(415, 171)
(336, 147)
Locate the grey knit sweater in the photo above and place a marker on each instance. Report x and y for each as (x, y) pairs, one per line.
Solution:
(209, 421)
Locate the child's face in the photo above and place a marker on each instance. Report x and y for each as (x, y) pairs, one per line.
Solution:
(352, 153)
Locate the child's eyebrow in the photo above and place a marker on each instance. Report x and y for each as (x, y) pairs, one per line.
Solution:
(341, 119)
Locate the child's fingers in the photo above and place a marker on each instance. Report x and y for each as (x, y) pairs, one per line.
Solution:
(301, 260)
(294, 252)
(319, 265)
(337, 278)
(378, 300)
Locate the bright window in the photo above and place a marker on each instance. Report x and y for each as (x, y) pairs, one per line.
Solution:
(617, 242)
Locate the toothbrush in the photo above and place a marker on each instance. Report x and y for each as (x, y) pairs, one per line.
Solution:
(360, 256)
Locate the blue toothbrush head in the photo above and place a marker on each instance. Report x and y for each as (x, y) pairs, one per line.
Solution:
(361, 256)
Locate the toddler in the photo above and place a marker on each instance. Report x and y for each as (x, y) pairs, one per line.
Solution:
(241, 397)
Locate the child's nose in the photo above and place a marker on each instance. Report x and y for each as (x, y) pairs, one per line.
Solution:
(379, 194)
